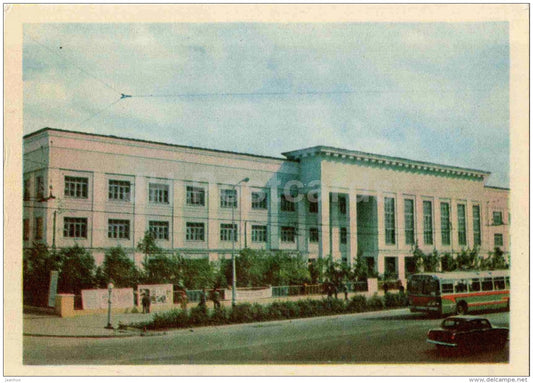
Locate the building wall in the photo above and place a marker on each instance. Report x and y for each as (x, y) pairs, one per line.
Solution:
(337, 181)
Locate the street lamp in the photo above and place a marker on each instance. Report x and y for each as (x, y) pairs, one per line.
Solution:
(109, 289)
(234, 232)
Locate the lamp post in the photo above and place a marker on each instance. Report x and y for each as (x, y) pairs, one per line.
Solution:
(109, 289)
(234, 232)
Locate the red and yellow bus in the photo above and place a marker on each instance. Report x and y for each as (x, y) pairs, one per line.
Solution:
(458, 292)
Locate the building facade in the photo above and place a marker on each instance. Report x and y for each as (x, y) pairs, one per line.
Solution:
(102, 191)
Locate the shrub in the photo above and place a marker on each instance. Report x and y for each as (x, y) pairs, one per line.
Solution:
(275, 311)
(220, 316)
(241, 313)
(337, 306)
(357, 303)
(198, 315)
(170, 319)
(259, 312)
(375, 303)
(394, 300)
(306, 308)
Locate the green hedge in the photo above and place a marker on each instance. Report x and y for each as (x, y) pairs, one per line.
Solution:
(246, 312)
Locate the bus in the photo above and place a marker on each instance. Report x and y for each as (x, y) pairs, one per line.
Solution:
(458, 292)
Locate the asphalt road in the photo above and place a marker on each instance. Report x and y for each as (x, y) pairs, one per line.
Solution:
(395, 336)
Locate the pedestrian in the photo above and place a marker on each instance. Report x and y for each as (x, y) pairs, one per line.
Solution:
(385, 287)
(335, 289)
(146, 302)
(345, 289)
(183, 299)
(216, 298)
(329, 290)
(401, 288)
(203, 299)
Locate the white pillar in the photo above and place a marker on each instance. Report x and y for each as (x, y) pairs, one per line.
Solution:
(302, 230)
(324, 223)
(273, 213)
(213, 224)
(352, 228)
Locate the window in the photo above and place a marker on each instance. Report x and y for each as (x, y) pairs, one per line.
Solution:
(259, 201)
(27, 184)
(446, 287)
(313, 203)
(344, 235)
(498, 240)
(461, 287)
(474, 285)
(409, 221)
(342, 204)
(228, 232)
(39, 187)
(445, 223)
(288, 234)
(499, 283)
(259, 233)
(497, 218)
(461, 224)
(486, 284)
(476, 225)
(158, 193)
(287, 205)
(38, 228)
(313, 234)
(195, 231)
(228, 198)
(26, 229)
(118, 228)
(195, 196)
(159, 229)
(119, 190)
(76, 187)
(75, 227)
(390, 221)
(428, 223)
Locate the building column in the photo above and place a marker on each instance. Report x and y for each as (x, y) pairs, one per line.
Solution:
(273, 214)
(245, 204)
(302, 231)
(324, 249)
(213, 224)
(179, 228)
(352, 228)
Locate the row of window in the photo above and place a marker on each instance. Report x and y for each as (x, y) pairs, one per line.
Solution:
(117, 228)
(445, 223)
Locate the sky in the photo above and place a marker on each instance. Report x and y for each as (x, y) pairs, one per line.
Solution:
(435, 92)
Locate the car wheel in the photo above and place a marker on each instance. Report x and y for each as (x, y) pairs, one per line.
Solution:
(462, 308)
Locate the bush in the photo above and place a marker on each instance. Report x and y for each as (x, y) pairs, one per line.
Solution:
(395, 300)
(306, 308)
(170, 319)
(259, 312)
(375, 303)
(198, 316)
(241, 313)
(220, 316)
(357, 303)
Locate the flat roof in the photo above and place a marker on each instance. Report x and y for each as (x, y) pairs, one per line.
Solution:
(29, 135)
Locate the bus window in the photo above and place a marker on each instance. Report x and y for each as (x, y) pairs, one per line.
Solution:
(474, 285)
(507, 282)
(461, 287)
(499, 283)
(447, 287)
(431, 287)
(486, 285)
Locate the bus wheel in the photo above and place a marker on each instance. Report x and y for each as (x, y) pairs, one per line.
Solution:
(462, 308)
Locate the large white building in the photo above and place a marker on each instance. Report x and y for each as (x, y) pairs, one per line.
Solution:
(109, 191)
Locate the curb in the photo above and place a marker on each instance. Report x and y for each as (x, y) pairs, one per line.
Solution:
(124, 335)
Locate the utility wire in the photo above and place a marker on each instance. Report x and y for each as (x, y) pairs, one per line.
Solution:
(98, 113)
(73, 64)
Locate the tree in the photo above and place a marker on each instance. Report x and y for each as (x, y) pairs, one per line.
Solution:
(77, 270)
(161, 268)
(148, 245)
(418, 257)
(495, 260)
(448, 262)
(468, 259)
(431, 261)
(360, 268)
(119, 268)
(38, 262)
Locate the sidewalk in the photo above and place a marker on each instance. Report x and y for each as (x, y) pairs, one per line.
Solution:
(93, 326)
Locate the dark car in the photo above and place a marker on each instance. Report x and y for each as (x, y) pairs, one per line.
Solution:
(466, 331)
